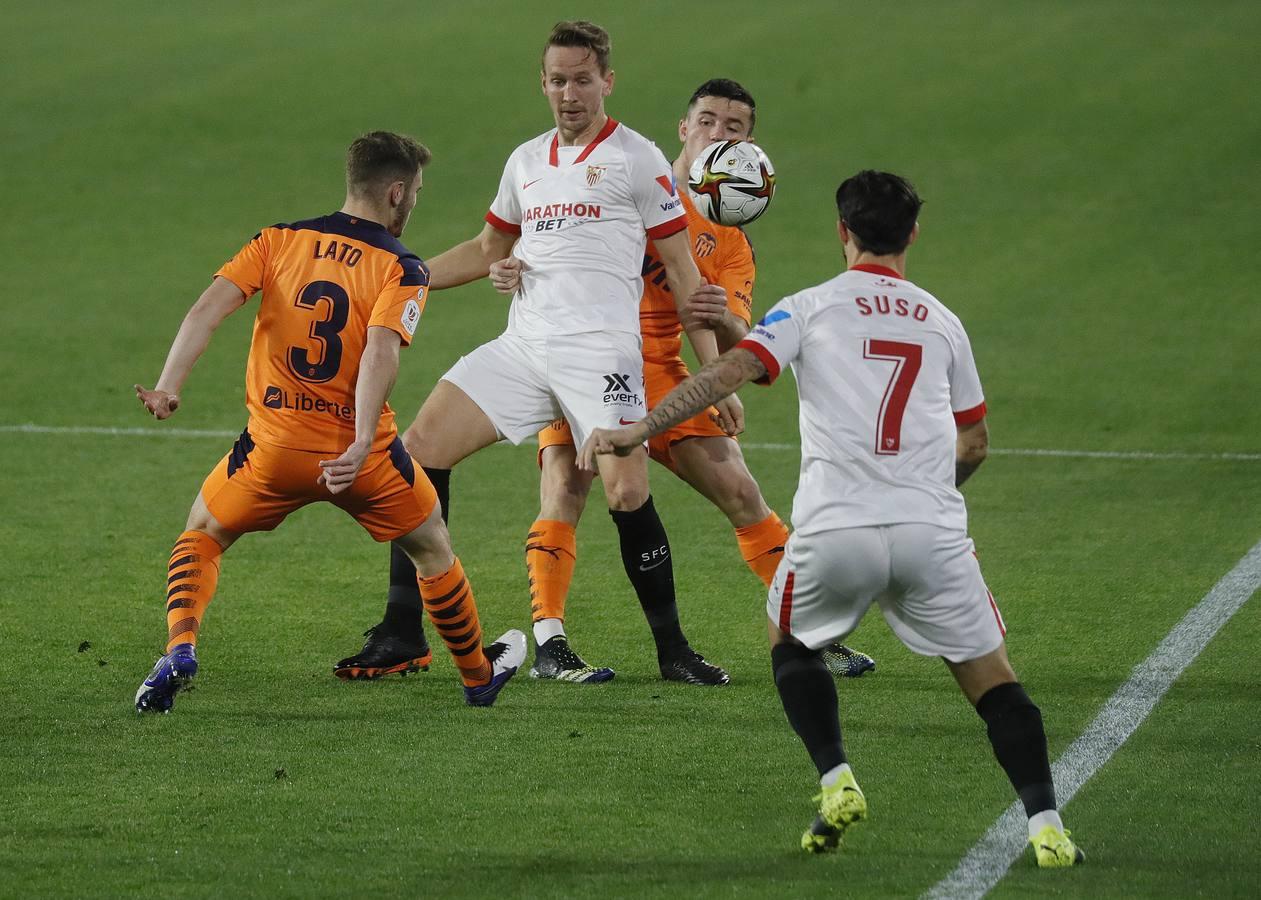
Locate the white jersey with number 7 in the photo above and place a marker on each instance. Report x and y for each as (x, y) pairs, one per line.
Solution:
(885, 374)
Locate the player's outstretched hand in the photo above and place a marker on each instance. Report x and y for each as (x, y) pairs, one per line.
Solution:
(340, 473)
(620, 441)
(505, 274)
(160, 403)
(706, 308)
(730, 416)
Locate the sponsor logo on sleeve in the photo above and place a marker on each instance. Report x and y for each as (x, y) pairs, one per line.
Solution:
(668, 185)
(411, 316)
(774, 316)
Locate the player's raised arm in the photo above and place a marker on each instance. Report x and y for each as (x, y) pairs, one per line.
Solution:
(378, 369)
(470, 260)
(720, 378)
(215, 304)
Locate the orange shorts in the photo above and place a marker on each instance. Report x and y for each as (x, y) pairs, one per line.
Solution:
(660, 378)
(257, 485)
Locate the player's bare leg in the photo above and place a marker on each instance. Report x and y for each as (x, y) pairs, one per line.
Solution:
(448, 599)
(448, 428)
(715, 468)
(1014, 725)
(192, 576)
(550, 555)
(646, 557)
(808, 693)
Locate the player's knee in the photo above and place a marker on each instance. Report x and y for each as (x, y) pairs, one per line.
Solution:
(429, 546)
(1009, 708)
(562, 487)
(744, 499)
(626, 497)
(561, 505)
(791, 657)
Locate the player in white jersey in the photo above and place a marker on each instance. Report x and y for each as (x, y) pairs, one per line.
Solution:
(892, 422)
(575, 208)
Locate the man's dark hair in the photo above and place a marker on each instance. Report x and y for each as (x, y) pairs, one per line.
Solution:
(380, 158)
(729, 90)
(879, 209)
(582, 34)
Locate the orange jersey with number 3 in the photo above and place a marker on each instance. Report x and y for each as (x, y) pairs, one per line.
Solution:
(324, 282)
(723, 255)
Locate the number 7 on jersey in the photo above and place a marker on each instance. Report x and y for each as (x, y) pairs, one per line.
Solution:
(906, 359)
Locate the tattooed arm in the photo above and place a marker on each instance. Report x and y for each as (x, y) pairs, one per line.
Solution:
(721, 378)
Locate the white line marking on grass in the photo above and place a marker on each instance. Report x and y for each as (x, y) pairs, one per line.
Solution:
(30, 428)
(162, 431)
(1076, 454)
(991, 856)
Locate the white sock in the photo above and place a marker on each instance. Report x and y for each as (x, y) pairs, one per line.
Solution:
(833, 775)
(1043, 819)
(546, 629)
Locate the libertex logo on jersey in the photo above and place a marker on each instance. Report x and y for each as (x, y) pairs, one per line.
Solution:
(554, 216)
(279, 398)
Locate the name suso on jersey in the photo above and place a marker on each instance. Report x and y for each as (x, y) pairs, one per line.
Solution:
(886, 375)
(584, 215)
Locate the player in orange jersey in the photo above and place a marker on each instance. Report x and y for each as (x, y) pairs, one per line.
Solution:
(701, 450)
(341, 295)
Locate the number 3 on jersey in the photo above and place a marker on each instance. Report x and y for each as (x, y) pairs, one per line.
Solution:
(906, 359)
(325, 331)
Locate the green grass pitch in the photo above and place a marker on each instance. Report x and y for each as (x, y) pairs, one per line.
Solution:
(1091, 172)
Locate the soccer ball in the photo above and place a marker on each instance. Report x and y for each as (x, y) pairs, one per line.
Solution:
(731, 182)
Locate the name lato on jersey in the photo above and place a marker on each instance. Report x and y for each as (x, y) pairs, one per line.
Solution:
(338, 251)
(880, 304)
(553, 216)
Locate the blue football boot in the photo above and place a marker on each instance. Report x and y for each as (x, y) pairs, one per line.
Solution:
(505, 656)
(170, 674)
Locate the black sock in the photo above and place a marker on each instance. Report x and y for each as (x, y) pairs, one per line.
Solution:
(441, 481)
(808, 692)
(403, 608)
(1015, 729)
(646, 556)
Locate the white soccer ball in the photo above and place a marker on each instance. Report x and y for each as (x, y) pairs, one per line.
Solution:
(731, 182)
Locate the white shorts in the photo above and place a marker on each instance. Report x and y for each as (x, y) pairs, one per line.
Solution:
(593, 380)
(925, 578)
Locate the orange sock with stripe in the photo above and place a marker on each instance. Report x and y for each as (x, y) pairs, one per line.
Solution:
(448, 599)
(192, 576)
(550, 553)
(762, 546)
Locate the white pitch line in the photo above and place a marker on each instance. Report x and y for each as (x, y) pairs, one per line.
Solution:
(1077, 454)
(991, 856)
(160, 431)
(31, 428)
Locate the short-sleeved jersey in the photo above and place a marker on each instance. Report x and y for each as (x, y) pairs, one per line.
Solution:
(324, 282)
(723, 255)
(885, 375)
(584, 215)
